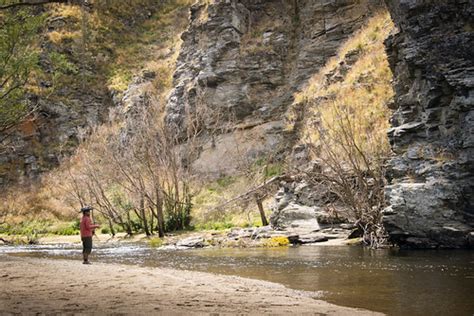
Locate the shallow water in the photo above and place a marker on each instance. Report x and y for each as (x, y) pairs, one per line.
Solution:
(390, 281)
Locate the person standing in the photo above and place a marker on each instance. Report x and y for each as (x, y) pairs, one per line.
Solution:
(87, 230)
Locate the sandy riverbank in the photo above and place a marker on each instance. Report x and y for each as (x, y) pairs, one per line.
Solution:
(46, 286)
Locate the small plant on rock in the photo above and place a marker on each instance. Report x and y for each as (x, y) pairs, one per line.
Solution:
(277, 241)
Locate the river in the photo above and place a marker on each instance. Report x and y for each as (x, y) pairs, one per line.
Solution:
(396, 282)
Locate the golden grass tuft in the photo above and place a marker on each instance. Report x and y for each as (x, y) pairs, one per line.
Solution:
(66, 11)
(57, 37)
(276, 241)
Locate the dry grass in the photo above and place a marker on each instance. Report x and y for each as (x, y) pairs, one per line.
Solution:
(206, 210)
(359, 99)
(346, 116)
(252, 42)
(66, 11)
(21, 203)
(57, 38)
(127, 34)
(134, 49)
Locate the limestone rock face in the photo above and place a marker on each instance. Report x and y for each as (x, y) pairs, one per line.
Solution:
(243, 60)
(431, 174)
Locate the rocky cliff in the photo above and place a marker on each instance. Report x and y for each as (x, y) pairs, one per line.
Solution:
(88, 56)
(239, 66)
(67, 106)
(431, 174)
(244, 60)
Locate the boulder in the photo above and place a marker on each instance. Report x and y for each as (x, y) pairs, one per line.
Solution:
(295, 218)
(471, 240)
(237, 233)
(191, 242)
(242, 61)
(312, 238)
(423, 215)
(301, 207)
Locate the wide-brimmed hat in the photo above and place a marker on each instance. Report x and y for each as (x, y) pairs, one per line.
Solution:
(86, 209)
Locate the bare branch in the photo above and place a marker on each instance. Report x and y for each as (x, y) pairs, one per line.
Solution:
(30, 3)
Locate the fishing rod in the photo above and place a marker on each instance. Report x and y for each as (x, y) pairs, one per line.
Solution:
(93, 222)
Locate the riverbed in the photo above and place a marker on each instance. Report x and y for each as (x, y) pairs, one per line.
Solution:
(395, 282)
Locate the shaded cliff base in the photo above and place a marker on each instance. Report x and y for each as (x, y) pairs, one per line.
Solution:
(61, 286)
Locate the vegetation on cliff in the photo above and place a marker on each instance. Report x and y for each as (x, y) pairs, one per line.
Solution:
(139, 174)
(99, 46)
(346, 108)
(72, 61)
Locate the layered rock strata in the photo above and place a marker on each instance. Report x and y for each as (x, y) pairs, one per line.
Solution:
(242, 61)
(431, 191)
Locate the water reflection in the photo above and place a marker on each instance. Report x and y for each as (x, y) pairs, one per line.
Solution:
(390, 281)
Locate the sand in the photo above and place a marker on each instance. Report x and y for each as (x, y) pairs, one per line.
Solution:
(49, 286)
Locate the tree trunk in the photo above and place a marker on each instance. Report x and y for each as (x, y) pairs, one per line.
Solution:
(143, 216)
(111, 226)
(151, 219)
(262, 212)
(128, 225)
(159, 213)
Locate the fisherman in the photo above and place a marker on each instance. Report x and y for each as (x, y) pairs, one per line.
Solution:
(87, 231)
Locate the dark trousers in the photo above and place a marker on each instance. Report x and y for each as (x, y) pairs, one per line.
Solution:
(86, 244)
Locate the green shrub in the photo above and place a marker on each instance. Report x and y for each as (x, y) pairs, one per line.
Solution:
(29, 228)
(214, 226)
(4, 229)
(136, 224)
(273, 169)
(178, 217)
(225, 181)
(76, 224)
(155, 242)
(118, 229)
(68, 231)
(64, 229)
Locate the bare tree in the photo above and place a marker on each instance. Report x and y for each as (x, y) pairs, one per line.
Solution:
(354, 175)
